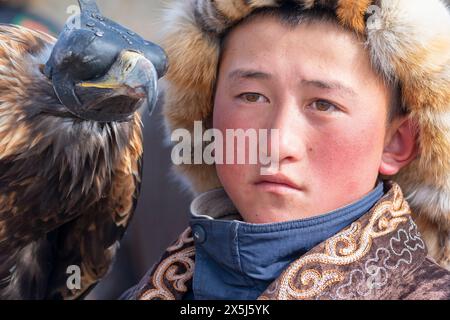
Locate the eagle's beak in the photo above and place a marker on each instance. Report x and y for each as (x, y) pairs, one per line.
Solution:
(132, 75)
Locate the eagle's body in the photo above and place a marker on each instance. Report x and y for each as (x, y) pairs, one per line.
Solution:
(68, 187)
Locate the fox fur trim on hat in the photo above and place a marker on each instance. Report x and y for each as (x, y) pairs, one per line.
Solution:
(410, 45)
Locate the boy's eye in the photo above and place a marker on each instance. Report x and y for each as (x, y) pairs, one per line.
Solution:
(324, 106)
(251, 97)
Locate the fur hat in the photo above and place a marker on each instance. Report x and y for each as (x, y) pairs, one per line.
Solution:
(411, 45)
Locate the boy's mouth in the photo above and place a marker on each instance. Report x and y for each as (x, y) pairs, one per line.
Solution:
(277, 182)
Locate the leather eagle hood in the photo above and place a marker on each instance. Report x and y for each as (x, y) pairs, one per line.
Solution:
(410, 45)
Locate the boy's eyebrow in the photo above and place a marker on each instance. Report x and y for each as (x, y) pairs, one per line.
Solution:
(248, 74)
(329, 85)
(255, 74)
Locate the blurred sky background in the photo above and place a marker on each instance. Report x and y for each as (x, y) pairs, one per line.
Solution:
(163, 209)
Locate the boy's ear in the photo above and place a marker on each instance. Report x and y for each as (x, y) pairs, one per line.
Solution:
(400, 146)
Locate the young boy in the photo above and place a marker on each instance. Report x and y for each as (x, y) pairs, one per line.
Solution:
(357, 93)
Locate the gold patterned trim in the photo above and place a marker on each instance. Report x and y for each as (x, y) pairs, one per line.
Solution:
(355, 242)
(183, 239)
(168, 268)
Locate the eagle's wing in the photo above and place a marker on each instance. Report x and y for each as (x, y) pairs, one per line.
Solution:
(54, 215)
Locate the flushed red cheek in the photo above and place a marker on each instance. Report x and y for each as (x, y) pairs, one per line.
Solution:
(343, 160)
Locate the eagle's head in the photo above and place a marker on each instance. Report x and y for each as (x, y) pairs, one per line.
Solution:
(102, 71)
(128, 83)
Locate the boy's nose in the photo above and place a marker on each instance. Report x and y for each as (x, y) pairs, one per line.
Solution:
(291, 134)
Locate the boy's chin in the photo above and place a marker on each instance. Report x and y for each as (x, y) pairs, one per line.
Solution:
(273, 215)
(271, 207)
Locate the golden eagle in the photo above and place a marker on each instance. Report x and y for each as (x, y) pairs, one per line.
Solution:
(70, 150)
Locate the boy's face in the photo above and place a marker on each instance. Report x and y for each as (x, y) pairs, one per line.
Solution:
(314, 83)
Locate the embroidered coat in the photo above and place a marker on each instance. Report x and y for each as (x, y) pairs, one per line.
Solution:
(379, 256)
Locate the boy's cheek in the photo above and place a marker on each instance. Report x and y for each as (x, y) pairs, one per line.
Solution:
(345, 159)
